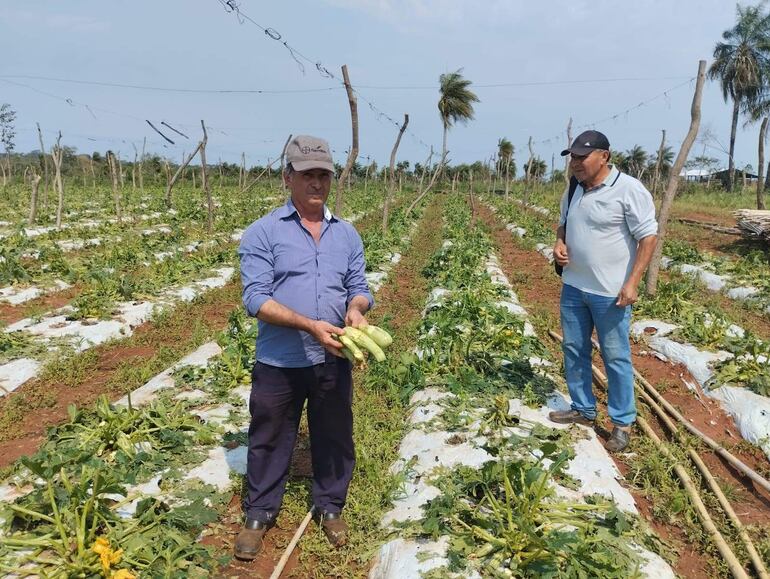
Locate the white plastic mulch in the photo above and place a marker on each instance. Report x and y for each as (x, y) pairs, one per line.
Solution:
(426, 450)
(85, 334)
(750, 411)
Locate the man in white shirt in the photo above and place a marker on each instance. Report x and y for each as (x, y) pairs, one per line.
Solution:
(605, 240)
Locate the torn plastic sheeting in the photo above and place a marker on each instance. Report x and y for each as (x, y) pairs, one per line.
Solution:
(742, 292)
(516, 230)
(545, 250)
(698, 362)
(412, 498)
(17, 295)
(711, 280)
(750, 411)
(198, 358)
(410, 559)
(216, 469)
(592, 466)
(17, 372)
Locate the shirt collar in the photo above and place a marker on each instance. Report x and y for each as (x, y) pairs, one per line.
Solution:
(609, 179)
(289, 209)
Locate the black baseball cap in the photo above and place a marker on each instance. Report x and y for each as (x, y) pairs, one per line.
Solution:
(586, 142)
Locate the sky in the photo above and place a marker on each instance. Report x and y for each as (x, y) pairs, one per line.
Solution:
(624, 68)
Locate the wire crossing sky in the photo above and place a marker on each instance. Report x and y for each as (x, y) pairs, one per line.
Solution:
(256, 72)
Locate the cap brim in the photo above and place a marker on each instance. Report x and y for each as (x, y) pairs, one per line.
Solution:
(307, 165)
(578, 151)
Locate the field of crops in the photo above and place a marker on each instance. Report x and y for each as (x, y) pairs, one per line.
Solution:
(125, 371)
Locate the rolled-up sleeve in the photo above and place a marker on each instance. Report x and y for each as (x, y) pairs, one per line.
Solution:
(640, 213)
(355, 279)
(257, 268)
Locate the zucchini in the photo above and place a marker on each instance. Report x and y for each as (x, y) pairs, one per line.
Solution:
(365, 342)
(350, 345)
(380, 336)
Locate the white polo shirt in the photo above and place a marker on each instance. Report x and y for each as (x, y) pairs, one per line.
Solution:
(604, 226)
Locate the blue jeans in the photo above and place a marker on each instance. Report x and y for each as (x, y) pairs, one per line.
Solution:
(580, 313)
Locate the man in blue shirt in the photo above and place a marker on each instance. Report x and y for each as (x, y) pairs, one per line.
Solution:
(302, 270)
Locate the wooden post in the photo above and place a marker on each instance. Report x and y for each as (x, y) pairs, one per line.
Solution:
(46, 182)
(353, 155)
(391, 181)
(761, 151)
(529, 172)
(205, 180)
(658, 163)
(507, 177)
(566, 157)
(673, 180)
(242, 173)
(112, 162)
(33, 200)
(56, 155)
(182, 167)
(283, 162)
(141, 167)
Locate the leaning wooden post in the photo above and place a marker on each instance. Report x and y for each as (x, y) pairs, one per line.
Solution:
(566, 157)
(205, 179)
(46, 182)
(761, 151)
(283, 162)
(114, 168)
(353, 155)
(391, 180)
(33, 200)
(673, 180)
(56, 156)
(658, 164)
(182, 167)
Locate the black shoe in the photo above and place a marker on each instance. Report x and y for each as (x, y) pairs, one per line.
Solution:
(335, 529)
(570, 417)
(618, 440)
(249, 542)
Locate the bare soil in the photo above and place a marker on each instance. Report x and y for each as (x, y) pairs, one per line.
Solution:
(29, 411)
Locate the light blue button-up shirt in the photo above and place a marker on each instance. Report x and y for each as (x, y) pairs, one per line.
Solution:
(281, 261)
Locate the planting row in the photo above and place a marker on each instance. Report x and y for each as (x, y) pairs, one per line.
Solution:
(490, 487)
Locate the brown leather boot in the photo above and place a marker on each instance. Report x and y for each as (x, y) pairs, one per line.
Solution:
(570, 417)
(335, 529)
(248, 544)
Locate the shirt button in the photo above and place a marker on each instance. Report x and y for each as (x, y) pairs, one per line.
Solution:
(319, 296)
(319, 275)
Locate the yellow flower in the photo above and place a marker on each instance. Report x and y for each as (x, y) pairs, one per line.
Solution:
(101, 545)
(123, 574)
(107, 556)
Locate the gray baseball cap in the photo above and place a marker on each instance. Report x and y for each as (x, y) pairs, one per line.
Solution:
(305, 152)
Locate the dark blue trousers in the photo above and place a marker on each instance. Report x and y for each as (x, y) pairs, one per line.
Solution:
(277, 398)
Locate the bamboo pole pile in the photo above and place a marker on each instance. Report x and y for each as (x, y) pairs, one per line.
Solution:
(754, 223)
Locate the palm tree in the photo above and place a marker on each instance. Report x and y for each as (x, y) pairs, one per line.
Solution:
(636, 161)
(455, 103)
(742, 65)
(505, 156)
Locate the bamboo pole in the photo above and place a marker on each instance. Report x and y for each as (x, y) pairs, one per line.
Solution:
(290, 547)
(756, 559)
(736, 569)
(710, 442)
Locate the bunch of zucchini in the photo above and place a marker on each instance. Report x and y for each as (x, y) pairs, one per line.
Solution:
(371, 339)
